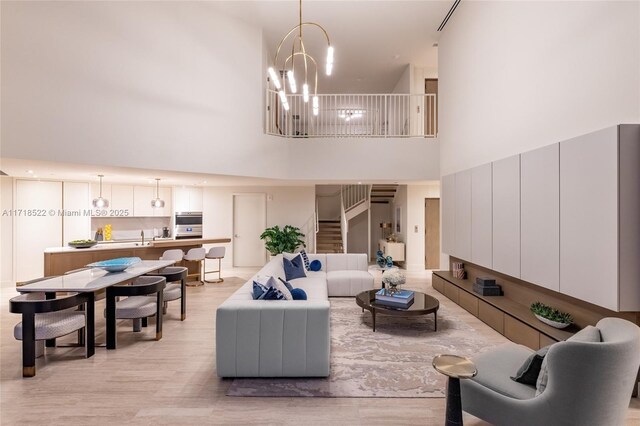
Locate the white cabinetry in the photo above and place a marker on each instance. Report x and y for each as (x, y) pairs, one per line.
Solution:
(165, 195)
(122, 199)
(76, 225)
(395, 250)
(448, 213)
(142, 196)
(506, 216)
(540, 216)
(36, 228)
(187, 199)
(599, 210)
(481, 222)
(463, 215)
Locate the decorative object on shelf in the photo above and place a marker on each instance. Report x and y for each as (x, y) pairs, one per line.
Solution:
(282, 240)
(115, 265)
(380, 259)
(389, 261)
(393, 279)
(99, 235)
(393, 238)
(287, 69)
(100, 202)
(107, 232)
(458, 270)
(157, 202)
(80, 244)
(486, 287)
(551, 316)
(385, 228)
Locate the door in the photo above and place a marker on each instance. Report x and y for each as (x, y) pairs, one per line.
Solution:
(432, 233)
(431, 107)
(249, 221)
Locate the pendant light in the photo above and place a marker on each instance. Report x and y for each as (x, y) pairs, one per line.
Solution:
(157, 202)
(100, 202)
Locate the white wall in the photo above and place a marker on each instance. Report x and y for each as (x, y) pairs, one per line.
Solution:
(515, 76)
(286, 205)
(6, 232)
(133, 83)
(358, 236)
(380, 213)
(414, 236)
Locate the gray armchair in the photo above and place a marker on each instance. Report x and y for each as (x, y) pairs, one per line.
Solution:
(589, 383)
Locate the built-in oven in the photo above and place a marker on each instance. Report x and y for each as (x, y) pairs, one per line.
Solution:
(188, 225)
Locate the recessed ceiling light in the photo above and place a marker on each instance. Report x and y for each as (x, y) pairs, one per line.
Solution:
(396, 56)
(30, 172)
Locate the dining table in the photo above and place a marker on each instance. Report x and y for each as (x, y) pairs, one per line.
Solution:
(91, 281)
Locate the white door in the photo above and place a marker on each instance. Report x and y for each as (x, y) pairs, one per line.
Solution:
(249, 221)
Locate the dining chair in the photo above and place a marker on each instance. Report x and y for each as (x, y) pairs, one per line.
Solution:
(173, 291)
(139, 303)
(214, 253)
(47, 319)
(196, 255)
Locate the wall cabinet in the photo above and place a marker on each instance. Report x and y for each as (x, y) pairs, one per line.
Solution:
(187, 199)
(39, 229)
(463, 215)
(506, 216)
(395, 250)
(599, 210)
(540, 216)
(448, 213)
(481, 220)
(135, 198)
(122, 199)
(142, 196)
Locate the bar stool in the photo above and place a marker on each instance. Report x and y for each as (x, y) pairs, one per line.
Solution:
(174, 291)
(214, 253)
(174, 254)
(196, 255)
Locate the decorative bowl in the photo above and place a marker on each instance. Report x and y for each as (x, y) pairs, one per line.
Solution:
(554, 324)
(115, 265)
(82, 243)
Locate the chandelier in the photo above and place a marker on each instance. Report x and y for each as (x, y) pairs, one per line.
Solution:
(299, 54)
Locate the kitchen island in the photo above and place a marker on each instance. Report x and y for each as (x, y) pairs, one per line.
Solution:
(58, 260)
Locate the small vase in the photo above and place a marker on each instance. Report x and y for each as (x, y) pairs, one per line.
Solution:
(389, 262)
(381, 262)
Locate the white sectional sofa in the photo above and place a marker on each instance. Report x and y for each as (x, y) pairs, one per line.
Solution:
(286, 338)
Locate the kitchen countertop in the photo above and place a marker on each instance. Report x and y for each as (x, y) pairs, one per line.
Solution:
(161, 243)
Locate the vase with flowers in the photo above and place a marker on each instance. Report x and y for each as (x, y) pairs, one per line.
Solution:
(392, 280)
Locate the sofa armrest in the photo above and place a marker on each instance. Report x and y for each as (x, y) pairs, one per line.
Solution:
(278, 338)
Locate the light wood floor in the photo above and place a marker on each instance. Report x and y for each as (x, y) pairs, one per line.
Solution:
(173, 381)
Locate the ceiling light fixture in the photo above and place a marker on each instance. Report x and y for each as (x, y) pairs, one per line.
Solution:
(157, 202)
(100, 202)
(288, 65)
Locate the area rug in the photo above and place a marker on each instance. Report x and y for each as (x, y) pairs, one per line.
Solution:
(393, 362)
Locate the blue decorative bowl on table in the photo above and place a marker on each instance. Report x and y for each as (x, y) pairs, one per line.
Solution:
(115, 265)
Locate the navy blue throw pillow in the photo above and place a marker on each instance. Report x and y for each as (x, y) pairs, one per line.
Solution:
(286, 283)
(315, 266)
(273, 294)
(259, 290)
(293, 268)
(298, 294)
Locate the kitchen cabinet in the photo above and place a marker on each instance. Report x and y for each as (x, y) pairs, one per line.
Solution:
(599, 210)
(187, 199)
(76, 224)
(506, 216)
(463, 215)
(540, 216)
(38, 226)
(95, 193)
(166, 211)
(481, 211)
(142, 196)
(122, 200)
(448, 213)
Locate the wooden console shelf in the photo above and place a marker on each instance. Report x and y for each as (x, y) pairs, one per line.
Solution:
(504, 315)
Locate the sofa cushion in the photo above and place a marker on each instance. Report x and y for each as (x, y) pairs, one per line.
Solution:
(293, 268)
(298, 294)
(347, 262)
(348, 283)
(315, 285)
(496, 366)
(321, 257)
(529, 371)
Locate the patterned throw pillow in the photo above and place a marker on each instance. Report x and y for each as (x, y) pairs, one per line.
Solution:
(274, 294)
(259, 290)
(262, 285)
(305, 259)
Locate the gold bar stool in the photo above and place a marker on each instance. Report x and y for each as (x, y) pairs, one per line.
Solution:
(214, 253)
(196, 255)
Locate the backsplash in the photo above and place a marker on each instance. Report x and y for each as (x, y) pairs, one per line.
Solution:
(128, 228)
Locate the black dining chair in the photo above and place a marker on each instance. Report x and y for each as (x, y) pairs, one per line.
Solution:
(174, 291)
(138, 304)
(48, 319)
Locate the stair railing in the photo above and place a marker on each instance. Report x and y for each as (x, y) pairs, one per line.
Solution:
(354, 195)
(344, 225)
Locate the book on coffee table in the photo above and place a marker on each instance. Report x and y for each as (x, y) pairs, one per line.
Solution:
(404, 297)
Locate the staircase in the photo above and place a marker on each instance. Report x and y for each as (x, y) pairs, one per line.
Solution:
(383, 193)
(329, 237)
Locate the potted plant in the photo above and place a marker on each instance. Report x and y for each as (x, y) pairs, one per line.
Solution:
(287, 239)
(551, 316)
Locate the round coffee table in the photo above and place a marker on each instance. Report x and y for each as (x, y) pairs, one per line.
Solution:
(456, 368)
(423, 304)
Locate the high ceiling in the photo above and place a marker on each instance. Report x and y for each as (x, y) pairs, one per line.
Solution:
(373, 40)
